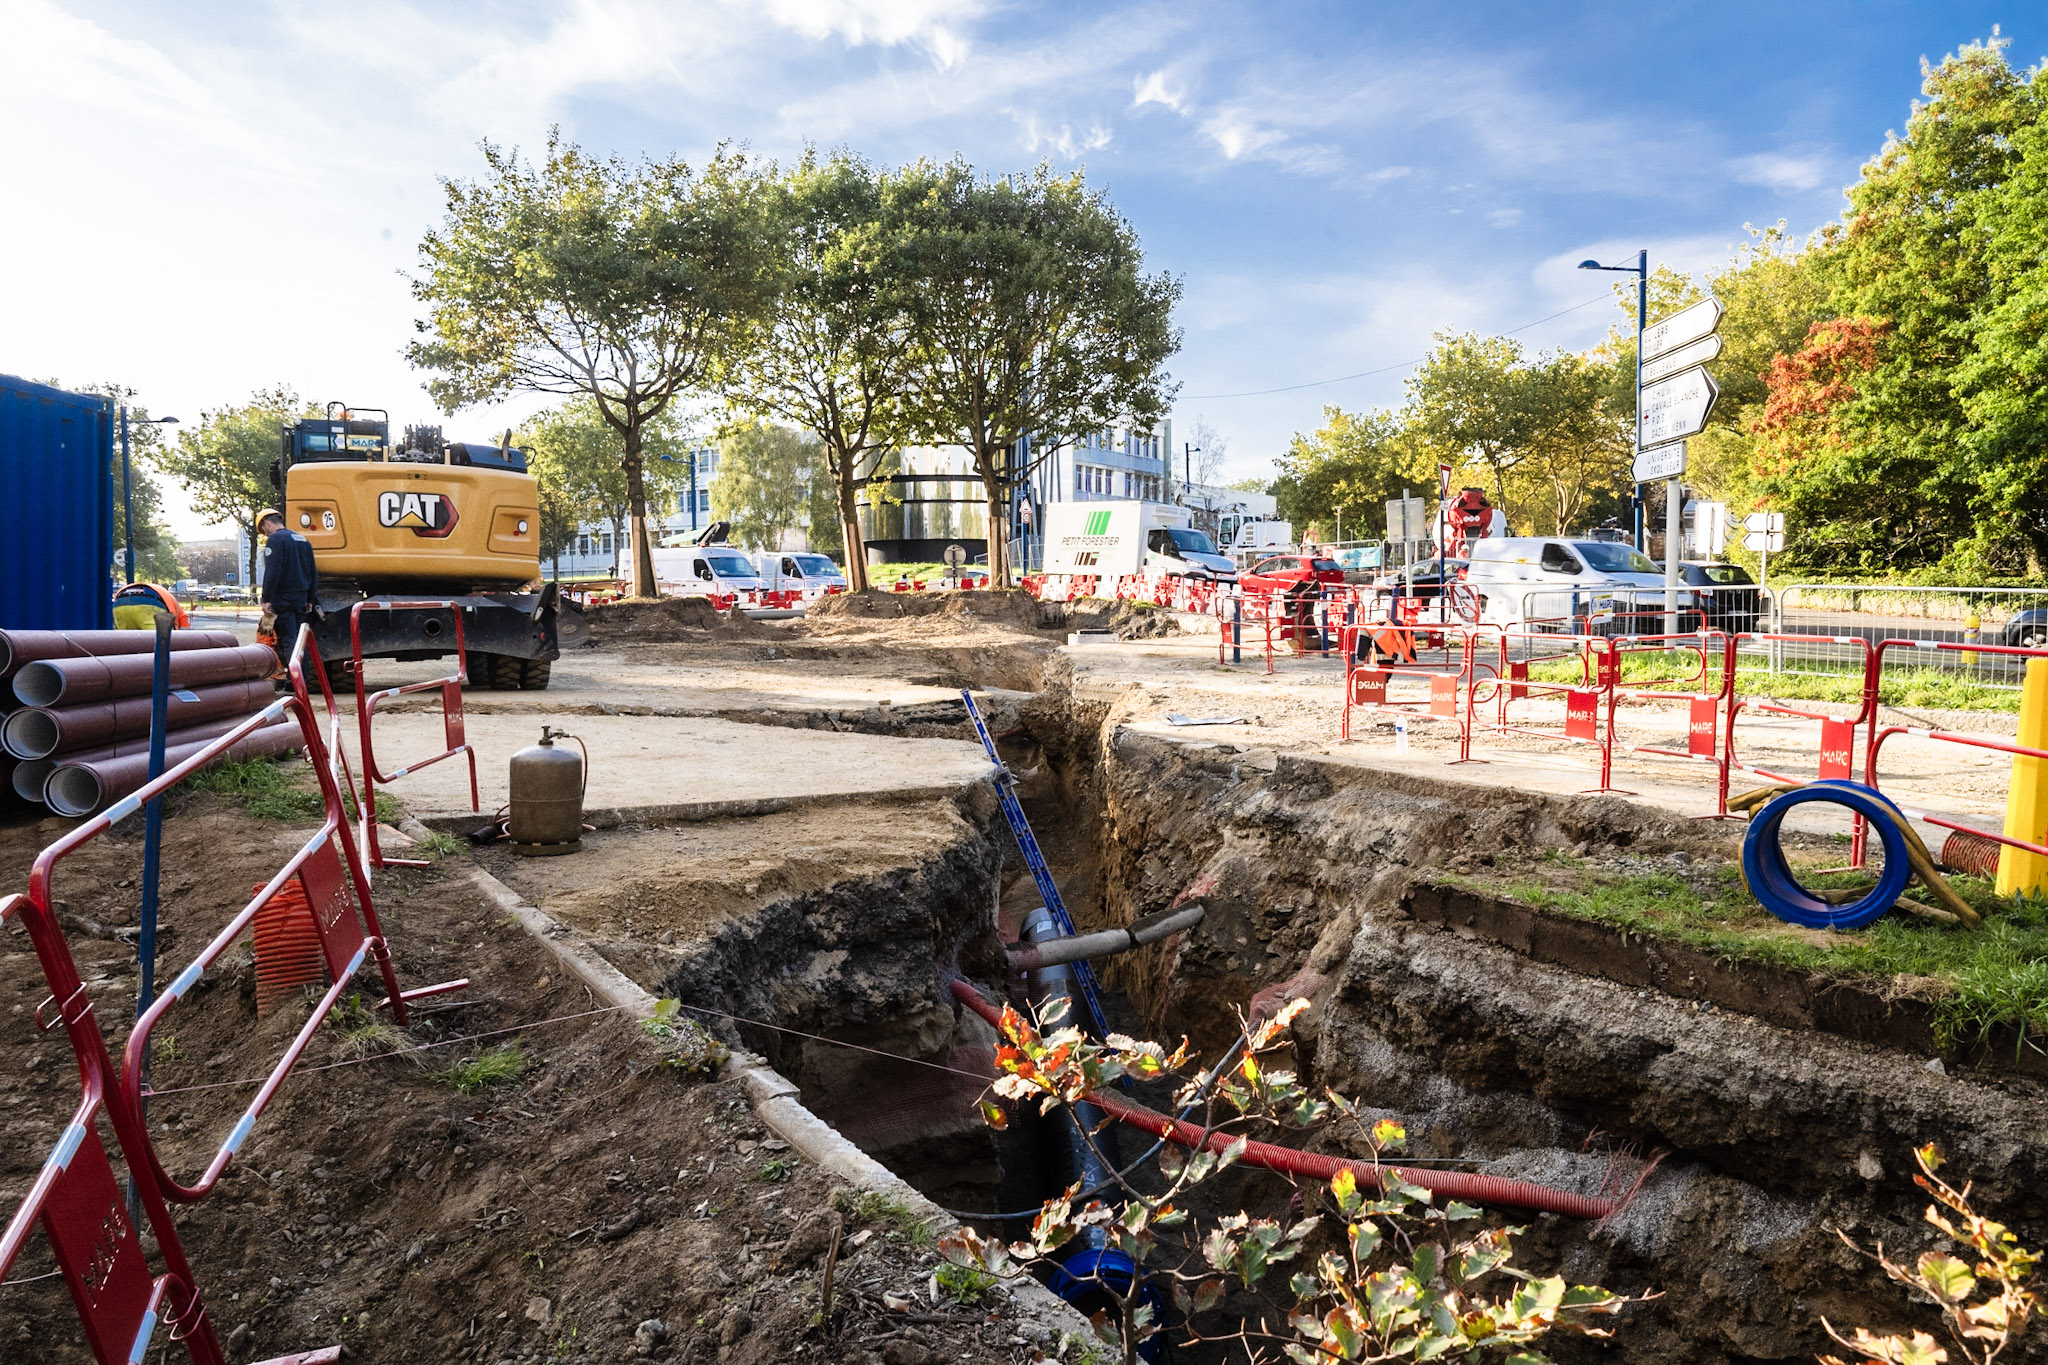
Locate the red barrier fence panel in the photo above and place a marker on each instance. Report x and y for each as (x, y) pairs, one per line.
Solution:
(367, 702)
(75, 1198)
(1880, 735)
(1366, 686)
(78, 1204)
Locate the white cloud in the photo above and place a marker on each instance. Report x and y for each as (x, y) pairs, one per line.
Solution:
(1785, 170)
(1504, 218)
(1065, 140)
(1156, 89)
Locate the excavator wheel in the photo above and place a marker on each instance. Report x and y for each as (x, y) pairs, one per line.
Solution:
(505, 671)
(533, 674)
(479, 665)
(338, 680)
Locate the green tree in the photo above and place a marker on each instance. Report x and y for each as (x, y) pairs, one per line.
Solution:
(1915, 256)
(575, 455)
(1577, 441)
(1466, 401)
(2002, 385)
(763, 484)
(628, 285)
(1031, 314)
(835, 358)
(1349, 468)
(225, 462)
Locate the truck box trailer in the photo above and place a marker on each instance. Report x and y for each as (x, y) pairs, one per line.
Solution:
(1112, 539)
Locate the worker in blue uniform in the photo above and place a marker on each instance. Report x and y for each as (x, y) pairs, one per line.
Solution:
(290, 581)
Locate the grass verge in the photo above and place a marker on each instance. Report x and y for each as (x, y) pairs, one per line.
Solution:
(1928, 688)
(500, 1065)
(1980, 979)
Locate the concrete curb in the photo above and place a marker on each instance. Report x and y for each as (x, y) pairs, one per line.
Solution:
(775, 1099)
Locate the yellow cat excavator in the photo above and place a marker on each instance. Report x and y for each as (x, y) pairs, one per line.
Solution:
(425, 519)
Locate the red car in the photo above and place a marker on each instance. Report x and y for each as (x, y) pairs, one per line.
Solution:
(1282, 573)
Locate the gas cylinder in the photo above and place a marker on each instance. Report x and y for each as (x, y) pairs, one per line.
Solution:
(547, 797)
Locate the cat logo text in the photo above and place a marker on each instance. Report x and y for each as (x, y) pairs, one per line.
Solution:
(426, 514)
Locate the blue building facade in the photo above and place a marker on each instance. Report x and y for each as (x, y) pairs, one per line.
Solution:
(56, 474)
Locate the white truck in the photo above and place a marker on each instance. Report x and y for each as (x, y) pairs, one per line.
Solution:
(1113, 538)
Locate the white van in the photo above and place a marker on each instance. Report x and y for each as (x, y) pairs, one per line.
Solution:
(1540, 583)
(813, 575)
(715, 571)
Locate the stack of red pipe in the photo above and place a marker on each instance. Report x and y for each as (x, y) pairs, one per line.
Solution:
(77, 709)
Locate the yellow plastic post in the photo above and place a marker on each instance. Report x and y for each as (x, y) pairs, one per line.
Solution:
(2026, 800)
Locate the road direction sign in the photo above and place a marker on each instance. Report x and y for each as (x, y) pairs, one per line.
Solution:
(1692, 353)
(1764, 542)
(1687, 324)
(1675, 408)
(1660, 462)
(956, 555)
(1407, 520)
(1765, 521)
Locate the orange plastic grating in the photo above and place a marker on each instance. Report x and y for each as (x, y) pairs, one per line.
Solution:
(288, 954)
(1964, 851)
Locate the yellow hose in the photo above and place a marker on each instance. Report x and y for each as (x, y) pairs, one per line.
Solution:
(1916, 852)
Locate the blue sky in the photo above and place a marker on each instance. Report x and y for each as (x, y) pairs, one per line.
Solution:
(208, 198)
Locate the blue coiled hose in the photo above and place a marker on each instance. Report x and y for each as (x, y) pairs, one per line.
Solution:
(1778, 891)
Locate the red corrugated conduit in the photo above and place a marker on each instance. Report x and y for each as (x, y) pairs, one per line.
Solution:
(1466, 1185)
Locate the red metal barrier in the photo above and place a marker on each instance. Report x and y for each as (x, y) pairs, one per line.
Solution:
(1366, 688)
(450, 688)
(1878, 737)
(75, 1200)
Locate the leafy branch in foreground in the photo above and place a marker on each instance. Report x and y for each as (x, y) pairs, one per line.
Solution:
(1980, 1329)
(1383, 1275)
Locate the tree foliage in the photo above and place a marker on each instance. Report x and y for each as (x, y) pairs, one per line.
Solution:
(835, 358)
(764, 480)
(577, 458)
(628, 285)
(1350, 467)
(224, 463)
(1380, 1271)
(1029, 312)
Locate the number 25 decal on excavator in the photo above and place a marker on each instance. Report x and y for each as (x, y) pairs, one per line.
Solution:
(427, 514)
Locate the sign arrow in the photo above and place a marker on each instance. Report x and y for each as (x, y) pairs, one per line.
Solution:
(1692, 353)
(1675, 408)
(1662, 462)
(1687, 324)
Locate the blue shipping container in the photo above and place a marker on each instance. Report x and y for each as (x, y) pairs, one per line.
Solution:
(57, 484)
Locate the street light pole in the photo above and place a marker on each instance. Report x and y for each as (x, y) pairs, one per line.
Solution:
(1672, 511)
(128, 487)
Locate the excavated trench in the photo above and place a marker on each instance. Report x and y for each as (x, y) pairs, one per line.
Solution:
(1747, 1128)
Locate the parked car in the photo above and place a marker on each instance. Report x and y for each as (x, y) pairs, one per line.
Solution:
(1547, 584)
(1282, 573)
(2027, 630)
(1728, 597)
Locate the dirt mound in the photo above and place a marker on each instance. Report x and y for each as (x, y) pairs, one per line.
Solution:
(1001, 606)
(650, 618)
(1130, 620)
(641, 620)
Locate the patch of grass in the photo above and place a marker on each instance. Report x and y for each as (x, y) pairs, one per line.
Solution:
(1984, 978)
(498, 1065)
(903, 1223)
(684, 1043)
(266, 788)
(436, 845)
(964, 1285)
(777, 1169)
(1930, 688)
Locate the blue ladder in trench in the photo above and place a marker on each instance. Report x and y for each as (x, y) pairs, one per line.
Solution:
(1006, 793)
